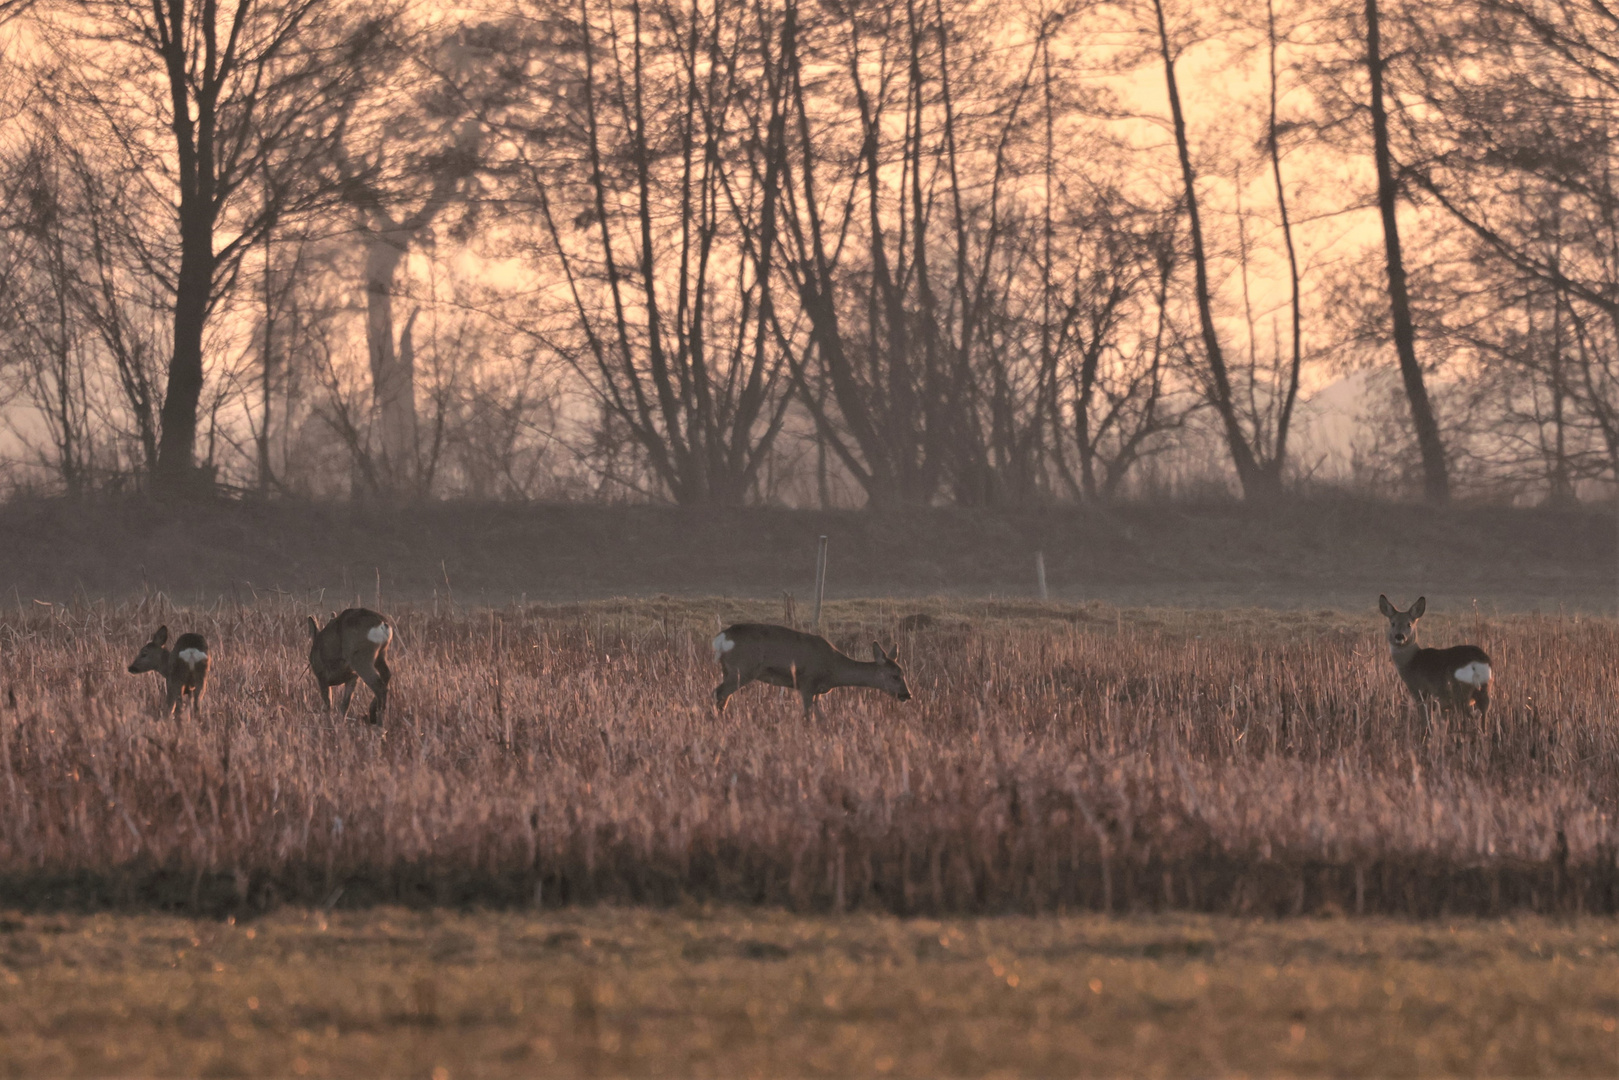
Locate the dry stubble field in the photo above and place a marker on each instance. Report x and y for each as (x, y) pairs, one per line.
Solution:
(555, 851)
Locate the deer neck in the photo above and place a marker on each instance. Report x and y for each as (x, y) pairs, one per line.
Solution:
(851, 672)
(1404, 654)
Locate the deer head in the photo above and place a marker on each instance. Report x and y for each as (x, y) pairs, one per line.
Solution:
(153, 656)
(1402, 629)
(892, 679)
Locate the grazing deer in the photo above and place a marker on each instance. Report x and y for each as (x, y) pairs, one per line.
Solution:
(354, 645)
(756, 652)
(185, 670)
(1456, 678)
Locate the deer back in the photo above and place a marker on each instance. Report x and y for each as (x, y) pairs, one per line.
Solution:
(189, 661)
(760, 646)
(1441, 671)
(806, 659)
(350, 635)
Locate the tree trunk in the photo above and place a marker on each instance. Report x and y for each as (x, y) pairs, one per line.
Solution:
(261, 442)
(393, 380)
(1435, 478)
(1284, 418)
(1254, 482)
(176, 452)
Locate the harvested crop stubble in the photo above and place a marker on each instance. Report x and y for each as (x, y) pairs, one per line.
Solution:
(1054, 758)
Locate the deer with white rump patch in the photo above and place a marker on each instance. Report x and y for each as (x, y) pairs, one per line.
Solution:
(354, 645)
(184, 670)
(1455, 678)
(778, 656)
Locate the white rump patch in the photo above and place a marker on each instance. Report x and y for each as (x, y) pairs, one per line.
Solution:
(1475, 674)
(380, 633)
(722, 645)
(193, 657)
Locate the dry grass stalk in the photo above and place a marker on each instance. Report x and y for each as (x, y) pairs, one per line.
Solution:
(1053, 759)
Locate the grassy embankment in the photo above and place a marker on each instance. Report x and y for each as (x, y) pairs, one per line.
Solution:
(1302, 554)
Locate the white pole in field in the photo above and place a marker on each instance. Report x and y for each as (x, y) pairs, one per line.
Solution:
(820, 579)
(1040, 572)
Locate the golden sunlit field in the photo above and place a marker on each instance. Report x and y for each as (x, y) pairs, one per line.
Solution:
(555, 852)
(737, 993)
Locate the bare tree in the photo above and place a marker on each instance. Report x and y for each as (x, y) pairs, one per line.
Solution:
(84, 329)
(1255, 437)
(244, 91)
(1287, 399)
(655, 185)
(47, 348)
(902, 154)
(408, 152)
(1116, 352)
(1436, 477)
(1516, 144)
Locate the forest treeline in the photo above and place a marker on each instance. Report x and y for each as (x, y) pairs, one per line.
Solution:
(813, 252)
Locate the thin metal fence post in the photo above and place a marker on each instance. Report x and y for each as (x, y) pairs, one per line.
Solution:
(820, 579)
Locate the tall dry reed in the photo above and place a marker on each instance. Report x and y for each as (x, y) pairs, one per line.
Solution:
(1052, 759)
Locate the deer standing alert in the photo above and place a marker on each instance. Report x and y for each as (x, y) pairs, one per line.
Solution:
(184, 670)
(1454, 678)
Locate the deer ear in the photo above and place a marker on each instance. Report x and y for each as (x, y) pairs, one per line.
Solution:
(1419, 607)
(893, 653)
(1384, 606)
(877, 652)
(160, 636)
(314, 627)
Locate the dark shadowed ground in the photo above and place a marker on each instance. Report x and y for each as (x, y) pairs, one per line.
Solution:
(1320, 553)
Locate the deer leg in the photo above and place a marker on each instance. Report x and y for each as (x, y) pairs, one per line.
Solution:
(348, 692)
(374, 678)
(1481, 698)
(176, 691)
(1420, 704)
(380, 704)
(730, 684)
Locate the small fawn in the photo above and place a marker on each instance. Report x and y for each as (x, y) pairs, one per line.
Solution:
(185, 670)
(1455, 678)
(779, 656)
(354, 645)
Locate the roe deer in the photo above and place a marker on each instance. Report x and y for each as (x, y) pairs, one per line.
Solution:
(756, 652)
(185, 670)
(353, 645)
(1456, 678)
